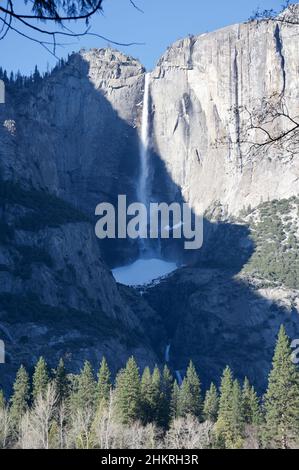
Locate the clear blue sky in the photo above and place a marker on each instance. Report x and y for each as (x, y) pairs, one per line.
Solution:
(162, 23)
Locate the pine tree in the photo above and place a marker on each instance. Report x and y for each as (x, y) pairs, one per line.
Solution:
(211, 404)
(282, 398)
(40, 378)
(156, 395)
(190, 401)
(20, 397)
(73, 382)
(175, 401)
(230, 422)
(104, 383)
(165, 401)
(151, 395)
(36, 77)
(61, 382)
(128, 393)
(246, 400)
(86, 394)
(223, 425)
(237, 421)
(250, 403)
(146, 405)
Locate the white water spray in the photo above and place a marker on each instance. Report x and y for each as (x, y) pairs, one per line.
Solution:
(179, 377)
(142, 188)
(150, 267)
(167, 351)
(144, 144)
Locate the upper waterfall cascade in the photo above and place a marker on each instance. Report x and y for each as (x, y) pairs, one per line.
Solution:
(142, 190)
(149, 267)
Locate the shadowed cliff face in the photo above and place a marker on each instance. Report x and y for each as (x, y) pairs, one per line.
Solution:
(76, 136)
(64, 149)
(212, 311)
(217, 315)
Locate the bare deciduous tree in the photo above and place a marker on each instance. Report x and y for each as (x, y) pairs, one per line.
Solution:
(138, 436)
(189, 433)
(62, 416)
(105, 430)
(79, 434)
(269, 123)
(35, 425)
(5, 423)
(252, 438)
(266, 124)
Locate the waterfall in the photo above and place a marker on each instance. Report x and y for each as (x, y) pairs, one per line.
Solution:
(142, 187)
(167, 351)
(179, 377)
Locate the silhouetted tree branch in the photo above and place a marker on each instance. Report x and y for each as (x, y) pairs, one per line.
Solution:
(61, 12)
(289, 14)
(268, 123)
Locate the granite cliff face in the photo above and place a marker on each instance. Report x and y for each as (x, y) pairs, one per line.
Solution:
(57, 295)
(200, 90)
(71, 140)
(67, 143)
(82, 118)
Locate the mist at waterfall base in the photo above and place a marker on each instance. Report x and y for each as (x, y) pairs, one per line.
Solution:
(143, 271)
(149, 267)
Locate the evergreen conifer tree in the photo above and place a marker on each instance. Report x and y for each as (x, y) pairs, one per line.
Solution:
(223, 425)
(165, 401)
(282, 398)
(61, 382)
(86, 393)
(230, 422)
(211, 404)
(237, 422)
(40, 378)
(20, 397)
(156, 395)
(174, 403)
(104, 383)
(146, 395)
(250, 401)
(128, 393)
(190, 401)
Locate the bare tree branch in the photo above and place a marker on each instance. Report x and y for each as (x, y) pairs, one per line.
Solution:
(61, 13)
(135, 6)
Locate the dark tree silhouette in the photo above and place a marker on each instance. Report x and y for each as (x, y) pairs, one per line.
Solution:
(36, 20)
(289, 14)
